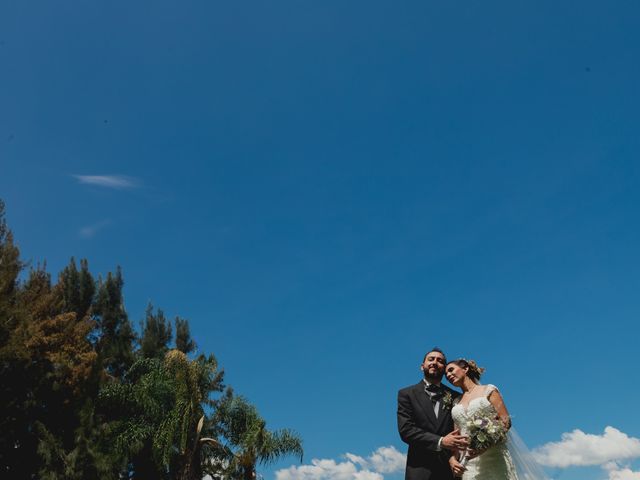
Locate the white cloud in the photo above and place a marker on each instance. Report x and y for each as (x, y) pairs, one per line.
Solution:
(319, 469)
(367, 475)
(387, 460)
(118, 182)
(358, 460)
(89, 231)
(623, 474)
(383, 460)
(583, 449)
(575, 449)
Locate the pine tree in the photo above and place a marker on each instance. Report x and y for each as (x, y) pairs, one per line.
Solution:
(62, 364)
(10, 268)
(115, 334)
(78, 288)
(17, 444)
(56, 337)
(156, 334)
(184, 342)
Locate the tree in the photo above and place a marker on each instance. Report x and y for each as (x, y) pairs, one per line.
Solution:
(10, 268)
(18, 455)
(157, 411)
(184, 342)
(115, 334)
(89, 458)
(47, 364)
(80, 402)
(63, 364)
(78, 288)
(156, 334)
(248, 442)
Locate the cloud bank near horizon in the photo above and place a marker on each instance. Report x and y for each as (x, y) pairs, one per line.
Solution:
(580, 449)
(575, 449)
(352, 467)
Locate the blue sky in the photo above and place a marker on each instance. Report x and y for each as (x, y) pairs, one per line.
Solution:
(327, 189)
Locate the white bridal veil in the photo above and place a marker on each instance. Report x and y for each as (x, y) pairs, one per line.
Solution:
(524, 463)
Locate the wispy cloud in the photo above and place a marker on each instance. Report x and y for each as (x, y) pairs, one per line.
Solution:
(583, 449)
(89, 231)
(118, 182)
(353, 467)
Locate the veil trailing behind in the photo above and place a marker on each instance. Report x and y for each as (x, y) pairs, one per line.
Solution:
(510, 460)
(524, 464)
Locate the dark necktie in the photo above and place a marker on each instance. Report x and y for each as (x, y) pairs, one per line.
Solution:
(434, 392)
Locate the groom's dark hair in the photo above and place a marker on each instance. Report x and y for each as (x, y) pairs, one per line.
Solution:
(435, 349)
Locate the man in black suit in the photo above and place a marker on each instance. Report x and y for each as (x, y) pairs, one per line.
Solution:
(425, 423)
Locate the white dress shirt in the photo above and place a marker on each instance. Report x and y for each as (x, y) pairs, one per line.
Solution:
(436, 411)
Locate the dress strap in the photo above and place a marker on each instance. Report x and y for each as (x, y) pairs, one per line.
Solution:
(489, 389)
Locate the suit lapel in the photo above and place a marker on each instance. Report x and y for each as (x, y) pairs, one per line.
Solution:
(445, 412)
(425, 403)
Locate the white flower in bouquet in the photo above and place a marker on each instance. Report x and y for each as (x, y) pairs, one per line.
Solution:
(484, 432)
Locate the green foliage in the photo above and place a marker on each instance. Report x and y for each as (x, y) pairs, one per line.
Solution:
(86, 460)
(156, 334)
(78, 288)
(248, 441)
(158, 407)
(80, 401)
(116, 336)
(184, 342)
(18, 376)
(10, 267)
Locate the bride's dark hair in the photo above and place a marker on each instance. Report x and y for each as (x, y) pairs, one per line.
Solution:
(474, 372)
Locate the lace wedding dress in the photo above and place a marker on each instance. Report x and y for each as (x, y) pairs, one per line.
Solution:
(497, 462)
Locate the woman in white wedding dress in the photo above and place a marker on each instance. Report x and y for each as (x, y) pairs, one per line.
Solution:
(509, 460)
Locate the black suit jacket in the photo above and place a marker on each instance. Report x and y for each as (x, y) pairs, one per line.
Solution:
(421, 430)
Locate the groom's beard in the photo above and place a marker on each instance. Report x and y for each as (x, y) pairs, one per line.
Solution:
(433, 378)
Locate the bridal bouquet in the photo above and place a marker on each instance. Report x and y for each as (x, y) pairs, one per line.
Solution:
(484, 432)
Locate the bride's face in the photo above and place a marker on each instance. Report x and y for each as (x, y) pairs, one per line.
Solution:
(455, 374)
